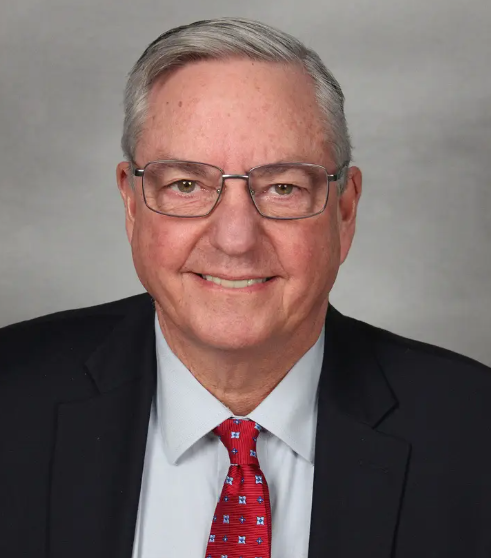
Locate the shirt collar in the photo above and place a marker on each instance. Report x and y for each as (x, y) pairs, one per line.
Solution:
(187, 411)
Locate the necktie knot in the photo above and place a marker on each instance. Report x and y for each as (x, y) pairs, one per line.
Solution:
(239, 436)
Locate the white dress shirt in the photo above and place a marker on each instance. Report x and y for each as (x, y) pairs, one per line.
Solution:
(186, 464)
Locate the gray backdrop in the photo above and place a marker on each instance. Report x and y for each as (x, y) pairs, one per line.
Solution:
(417, 80)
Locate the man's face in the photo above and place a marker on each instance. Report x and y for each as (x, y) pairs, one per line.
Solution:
(237, 114)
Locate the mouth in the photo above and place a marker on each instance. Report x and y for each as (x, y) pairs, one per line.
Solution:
(241, 283)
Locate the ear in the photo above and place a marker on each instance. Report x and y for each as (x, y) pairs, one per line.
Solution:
(347, 208)
(125, 182)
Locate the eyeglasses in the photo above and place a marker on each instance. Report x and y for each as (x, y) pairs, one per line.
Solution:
(278, 191)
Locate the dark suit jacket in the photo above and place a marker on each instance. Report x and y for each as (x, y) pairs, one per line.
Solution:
(402, 460)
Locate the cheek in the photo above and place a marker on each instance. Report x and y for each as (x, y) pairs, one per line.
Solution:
(158, 250)
(316, 257)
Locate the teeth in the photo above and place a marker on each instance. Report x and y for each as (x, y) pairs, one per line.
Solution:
(233, 284)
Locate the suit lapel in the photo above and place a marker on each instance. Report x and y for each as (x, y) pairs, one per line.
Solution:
(359, 472)
(100, 446)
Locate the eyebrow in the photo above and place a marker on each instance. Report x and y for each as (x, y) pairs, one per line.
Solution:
(188, 167)
(170, 157)
(160, 156)
(291, 159)
(275, 169)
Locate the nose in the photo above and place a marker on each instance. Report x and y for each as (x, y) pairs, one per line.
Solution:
(235, 222)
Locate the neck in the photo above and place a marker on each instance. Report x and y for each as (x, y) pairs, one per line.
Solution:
(240, 379)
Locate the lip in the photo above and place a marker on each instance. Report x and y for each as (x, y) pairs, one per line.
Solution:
(242, 278)
(252, 288)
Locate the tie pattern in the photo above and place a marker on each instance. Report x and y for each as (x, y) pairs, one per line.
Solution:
(241, 526)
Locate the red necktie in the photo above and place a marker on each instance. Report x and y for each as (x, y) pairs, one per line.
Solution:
(241, 526)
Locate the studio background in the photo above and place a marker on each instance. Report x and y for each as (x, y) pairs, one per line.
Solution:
(418, 102)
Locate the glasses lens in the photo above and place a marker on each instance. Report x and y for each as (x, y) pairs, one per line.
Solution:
(286, 191)
(180, 188)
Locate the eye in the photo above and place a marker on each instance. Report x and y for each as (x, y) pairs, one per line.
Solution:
(184, 186)
(283, 189)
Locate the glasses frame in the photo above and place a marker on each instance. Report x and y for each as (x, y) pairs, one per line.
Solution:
(140, 172)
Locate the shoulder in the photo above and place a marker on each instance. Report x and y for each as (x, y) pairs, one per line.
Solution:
(411, 366)
(74, 331)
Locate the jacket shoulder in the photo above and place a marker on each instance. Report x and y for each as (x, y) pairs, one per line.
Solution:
(421, 349)
(77, 331)
(414, 360)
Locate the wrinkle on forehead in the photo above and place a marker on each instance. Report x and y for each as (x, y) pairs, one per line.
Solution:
(240, 111)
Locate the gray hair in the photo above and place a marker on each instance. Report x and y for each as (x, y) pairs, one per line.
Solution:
(225, 38)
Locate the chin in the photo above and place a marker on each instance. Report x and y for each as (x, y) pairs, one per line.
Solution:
(229, 336)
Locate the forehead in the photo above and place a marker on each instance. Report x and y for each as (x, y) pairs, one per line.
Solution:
(235, 111)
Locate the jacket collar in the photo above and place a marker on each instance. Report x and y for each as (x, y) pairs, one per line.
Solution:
(99, 449)
(352, 380)
(359, 473)
(129, 350)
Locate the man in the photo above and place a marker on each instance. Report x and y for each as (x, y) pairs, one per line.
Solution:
(232, 411)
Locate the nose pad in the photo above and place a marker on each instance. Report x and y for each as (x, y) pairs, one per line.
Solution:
(236, 177)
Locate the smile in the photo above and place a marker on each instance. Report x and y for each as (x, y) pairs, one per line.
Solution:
(239, 284)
